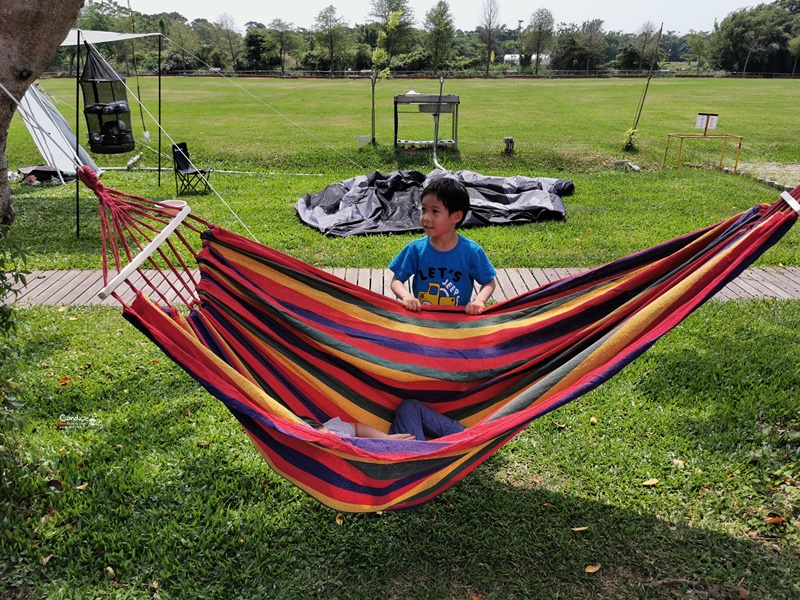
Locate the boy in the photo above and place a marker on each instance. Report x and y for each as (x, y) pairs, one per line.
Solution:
(444, 264)
(413, 420)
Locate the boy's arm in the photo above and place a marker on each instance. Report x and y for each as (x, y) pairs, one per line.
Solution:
(476, 306)
(407, 298)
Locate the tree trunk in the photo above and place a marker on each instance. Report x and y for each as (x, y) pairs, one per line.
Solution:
(233, 54)
(374, 81)
(30, 34)
(746, 60)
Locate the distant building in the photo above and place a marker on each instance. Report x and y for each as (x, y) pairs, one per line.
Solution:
(514, 59)
(544, 60)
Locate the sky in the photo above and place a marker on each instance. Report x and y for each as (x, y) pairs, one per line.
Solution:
(627, 16)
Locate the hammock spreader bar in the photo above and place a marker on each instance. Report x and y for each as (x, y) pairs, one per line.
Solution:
(787, 197)
(276, 339)
(146, 253)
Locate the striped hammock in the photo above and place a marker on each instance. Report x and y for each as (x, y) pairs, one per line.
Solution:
(276, 339)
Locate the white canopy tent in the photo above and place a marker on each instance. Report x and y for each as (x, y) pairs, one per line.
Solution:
(92, 37)
(76, 36)
(52, 134)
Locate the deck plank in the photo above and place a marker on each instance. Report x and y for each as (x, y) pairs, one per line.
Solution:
(768, 281)
(743, 289)
(786, 279)
(80, 287)
(791, 272)
(363, 278)
(516, 280)
(376, 280)
(505, 289)
(540, 277)
(50, 290)
(351, 275)
(562, 273)
(760, 288)
(528, 279)
(388, 275)
(34, 280)
(86, 281)
(551, 274)
(724, 294)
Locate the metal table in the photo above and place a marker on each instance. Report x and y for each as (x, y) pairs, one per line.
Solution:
(433, 104)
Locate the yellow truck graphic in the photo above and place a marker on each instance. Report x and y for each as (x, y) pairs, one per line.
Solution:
(433, 296)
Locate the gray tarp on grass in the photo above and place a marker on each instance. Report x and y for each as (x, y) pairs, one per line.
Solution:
(379, 203)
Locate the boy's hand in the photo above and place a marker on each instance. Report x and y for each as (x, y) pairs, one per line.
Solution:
(402, 293)
(474, 308)
(412, 303)
(478, 303)
(401, 436)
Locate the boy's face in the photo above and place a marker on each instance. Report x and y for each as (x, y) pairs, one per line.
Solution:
(435, 219)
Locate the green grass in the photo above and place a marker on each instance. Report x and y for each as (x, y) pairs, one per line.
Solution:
(112, 457)
(177, 494)
(266, 124)
(311, 126)
(567, 129)
(611, 215)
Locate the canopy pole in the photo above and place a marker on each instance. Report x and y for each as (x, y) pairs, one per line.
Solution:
(160, 37)
(436, 125)
(77, 131)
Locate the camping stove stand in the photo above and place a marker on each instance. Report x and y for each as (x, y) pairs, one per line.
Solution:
(433, 104)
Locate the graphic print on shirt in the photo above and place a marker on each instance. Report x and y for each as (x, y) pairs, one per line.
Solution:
(441, 293)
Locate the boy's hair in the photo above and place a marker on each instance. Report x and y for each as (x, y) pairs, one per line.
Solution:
(311, 422)
(452, 194)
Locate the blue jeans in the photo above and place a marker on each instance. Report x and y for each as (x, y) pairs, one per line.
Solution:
(420, 421)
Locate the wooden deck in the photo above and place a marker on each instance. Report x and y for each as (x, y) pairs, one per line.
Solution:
(79, 288)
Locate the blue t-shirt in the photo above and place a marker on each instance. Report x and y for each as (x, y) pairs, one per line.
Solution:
(445, 278)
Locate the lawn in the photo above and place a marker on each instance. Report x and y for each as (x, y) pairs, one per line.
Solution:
(566, 129)
(123, 479)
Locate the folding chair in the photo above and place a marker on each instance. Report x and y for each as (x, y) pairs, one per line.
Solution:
(187, 176)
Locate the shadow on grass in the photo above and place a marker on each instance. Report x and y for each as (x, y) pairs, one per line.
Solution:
(212, 526)
(215, 522)
(191, 506)
(47, 222)
(739, 377)
(177, 494)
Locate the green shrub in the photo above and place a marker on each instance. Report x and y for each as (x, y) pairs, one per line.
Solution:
(629, 141)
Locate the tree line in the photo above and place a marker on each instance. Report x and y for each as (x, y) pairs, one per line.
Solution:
(760, 39)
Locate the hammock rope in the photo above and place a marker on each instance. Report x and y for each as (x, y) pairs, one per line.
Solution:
(128, 223)
(276, 339)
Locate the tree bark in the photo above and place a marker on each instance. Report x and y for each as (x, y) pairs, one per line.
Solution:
(746, 60)
(30, 33)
